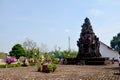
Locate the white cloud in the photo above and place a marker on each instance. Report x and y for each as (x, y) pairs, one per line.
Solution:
(67, 30)
(95, 12)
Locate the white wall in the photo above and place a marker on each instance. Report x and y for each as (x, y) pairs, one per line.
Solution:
(107, 52)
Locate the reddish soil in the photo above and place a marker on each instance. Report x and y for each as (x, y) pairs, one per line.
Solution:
(63, 72)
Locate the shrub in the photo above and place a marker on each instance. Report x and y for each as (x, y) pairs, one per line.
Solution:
(52, 67)
(39, 66)
(55, 60)
(32, 60)
(19, 64)
(9, 60)
(11, 65)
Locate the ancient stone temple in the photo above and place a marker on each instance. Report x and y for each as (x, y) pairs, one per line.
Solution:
(88, 43)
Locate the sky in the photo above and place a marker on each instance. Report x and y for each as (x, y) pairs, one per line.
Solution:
(51, 22)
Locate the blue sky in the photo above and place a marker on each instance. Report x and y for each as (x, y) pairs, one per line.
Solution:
(52, 21)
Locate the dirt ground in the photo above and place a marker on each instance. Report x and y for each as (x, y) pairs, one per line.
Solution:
(63, 72)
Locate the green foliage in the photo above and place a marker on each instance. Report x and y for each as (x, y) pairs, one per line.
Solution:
(67, 54)
(31, 48)
(32, 60)
(54, 55)
(29, 54)
(55, 60)
(33, 53)
(10, 65)
(52, 67)
(17, 51)
(115, 42)
(47, 56)
(19, 64)
(2, 66)
(39, 66)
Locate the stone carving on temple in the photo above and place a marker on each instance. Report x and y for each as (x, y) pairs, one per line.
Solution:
(88, 42)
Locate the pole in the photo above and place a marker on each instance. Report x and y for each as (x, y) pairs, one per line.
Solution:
(69, 44)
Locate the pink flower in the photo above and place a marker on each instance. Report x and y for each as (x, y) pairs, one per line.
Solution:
(9, 59)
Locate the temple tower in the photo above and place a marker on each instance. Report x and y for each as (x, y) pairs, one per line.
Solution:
(88, 42)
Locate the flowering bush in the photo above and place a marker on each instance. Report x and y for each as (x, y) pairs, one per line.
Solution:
(9, 60)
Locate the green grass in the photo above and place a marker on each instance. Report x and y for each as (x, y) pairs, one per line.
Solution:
(2, 66)
(10, 65)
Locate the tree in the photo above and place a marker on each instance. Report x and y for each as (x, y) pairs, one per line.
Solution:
(31, 48)
(29, 45)
(43, 48)
(115, 42)
(17, 51)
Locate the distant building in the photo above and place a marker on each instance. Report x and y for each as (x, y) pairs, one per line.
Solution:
(107, 51)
